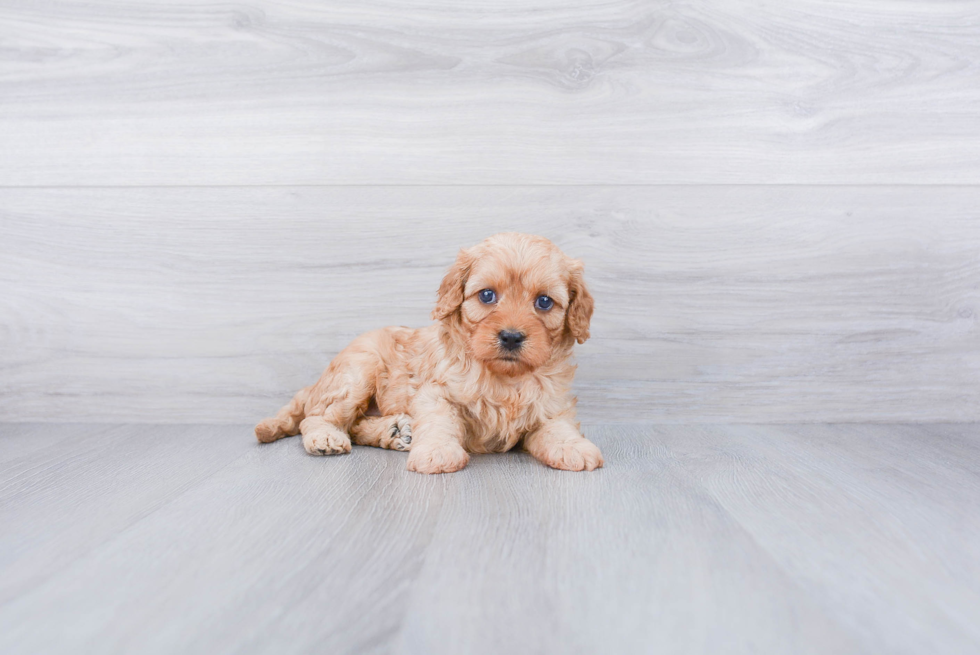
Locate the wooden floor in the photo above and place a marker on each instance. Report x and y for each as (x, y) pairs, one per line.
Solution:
(692, 539)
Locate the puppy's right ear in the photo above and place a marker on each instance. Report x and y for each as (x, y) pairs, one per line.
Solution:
(451, 289)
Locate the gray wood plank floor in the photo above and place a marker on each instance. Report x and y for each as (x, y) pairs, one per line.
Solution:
(693, 539)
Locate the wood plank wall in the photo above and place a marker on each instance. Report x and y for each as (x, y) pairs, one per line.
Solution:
(777, 203)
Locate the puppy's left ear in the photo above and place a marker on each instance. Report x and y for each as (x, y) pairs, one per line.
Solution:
(580, 303)
(451, 289)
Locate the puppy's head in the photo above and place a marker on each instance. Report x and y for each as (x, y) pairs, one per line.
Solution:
(514, 300)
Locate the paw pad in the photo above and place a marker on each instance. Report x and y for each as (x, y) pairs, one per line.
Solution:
(401, 434)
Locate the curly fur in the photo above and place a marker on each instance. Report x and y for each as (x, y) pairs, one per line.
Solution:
(450, 389)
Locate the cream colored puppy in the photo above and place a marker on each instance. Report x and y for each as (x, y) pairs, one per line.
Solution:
(492, 373)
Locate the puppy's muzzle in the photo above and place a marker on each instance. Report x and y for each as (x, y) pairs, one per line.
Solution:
(511, 340)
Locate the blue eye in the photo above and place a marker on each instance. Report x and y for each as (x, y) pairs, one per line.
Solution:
(544, 303)
(487, 297)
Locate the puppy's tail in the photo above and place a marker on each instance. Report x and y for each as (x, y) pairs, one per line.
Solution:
(286, 422)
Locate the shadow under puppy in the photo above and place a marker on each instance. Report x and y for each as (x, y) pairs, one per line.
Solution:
(492, 373)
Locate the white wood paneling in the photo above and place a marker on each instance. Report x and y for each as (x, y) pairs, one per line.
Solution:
(547, 91)
(721, 303)
(201, 203)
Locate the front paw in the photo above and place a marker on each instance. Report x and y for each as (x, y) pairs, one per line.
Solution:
(575, 455)
(444, 457)
(326, 439)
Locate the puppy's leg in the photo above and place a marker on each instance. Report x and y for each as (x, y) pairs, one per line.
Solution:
(326, 434)
(559, 444)
(393, 432)
(286, 422)
(340, 397)
(437, 443)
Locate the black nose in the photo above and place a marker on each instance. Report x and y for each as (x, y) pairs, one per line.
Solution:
(511, 339)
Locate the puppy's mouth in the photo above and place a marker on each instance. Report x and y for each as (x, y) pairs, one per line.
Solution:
(509, 363)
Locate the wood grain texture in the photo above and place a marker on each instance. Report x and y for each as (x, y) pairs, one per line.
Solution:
(549, 91)
(90, 483)
(20, 439)
(634, 559)
(803, 492)
(780, 304)
(692, 539)
(272, 552)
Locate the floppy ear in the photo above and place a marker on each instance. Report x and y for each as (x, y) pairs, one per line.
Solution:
(580, 304)
(451, 289)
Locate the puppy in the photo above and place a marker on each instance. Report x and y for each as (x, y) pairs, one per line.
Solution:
(492, 373)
